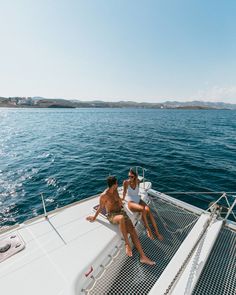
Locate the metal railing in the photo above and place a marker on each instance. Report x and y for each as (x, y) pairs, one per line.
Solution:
(215, 205)
(46, 217)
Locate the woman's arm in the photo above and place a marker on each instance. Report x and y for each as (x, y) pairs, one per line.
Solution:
(125, 185)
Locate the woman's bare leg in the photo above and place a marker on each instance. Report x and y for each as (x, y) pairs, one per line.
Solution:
(141, 208)
(153, 221)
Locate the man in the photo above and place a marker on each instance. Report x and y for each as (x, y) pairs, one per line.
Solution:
(111, 201)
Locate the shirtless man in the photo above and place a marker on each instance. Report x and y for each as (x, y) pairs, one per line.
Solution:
(110, 200)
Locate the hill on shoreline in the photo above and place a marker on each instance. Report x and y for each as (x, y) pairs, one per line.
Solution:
(41, 102)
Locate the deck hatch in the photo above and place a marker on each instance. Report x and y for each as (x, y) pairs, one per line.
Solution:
(10, 245)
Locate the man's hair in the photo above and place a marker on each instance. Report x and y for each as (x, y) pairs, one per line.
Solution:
(111, 180)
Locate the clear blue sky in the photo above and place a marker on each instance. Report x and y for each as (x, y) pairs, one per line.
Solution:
(119, 50)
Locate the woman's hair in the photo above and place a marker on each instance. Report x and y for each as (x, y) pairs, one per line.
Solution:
(132, 170)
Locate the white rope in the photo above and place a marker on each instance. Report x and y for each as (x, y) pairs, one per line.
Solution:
(180, 230)
(167, 228)
(232, 212)
(229, 206)
(175, 192)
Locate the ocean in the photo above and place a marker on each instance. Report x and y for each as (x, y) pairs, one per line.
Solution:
(66, 154)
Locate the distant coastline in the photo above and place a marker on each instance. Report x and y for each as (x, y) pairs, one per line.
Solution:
(41, 102)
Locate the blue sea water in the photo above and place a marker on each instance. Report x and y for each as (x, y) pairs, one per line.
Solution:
(68, 153)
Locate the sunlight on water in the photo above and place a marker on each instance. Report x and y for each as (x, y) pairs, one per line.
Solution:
(68, 153)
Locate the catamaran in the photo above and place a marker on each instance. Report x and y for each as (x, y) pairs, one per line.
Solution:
(61, 253)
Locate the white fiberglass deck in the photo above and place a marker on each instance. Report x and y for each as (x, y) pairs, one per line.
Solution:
(49, 265)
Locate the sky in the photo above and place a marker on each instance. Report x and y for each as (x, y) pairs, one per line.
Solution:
(116, 50)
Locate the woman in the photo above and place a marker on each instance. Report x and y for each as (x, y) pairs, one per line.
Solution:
(135, 204)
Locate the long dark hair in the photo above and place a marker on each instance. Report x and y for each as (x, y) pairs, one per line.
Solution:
(133, 171)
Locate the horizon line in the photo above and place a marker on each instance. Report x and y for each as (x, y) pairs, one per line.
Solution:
(122, 100)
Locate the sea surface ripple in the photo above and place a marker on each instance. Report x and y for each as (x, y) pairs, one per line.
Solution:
(68, 153)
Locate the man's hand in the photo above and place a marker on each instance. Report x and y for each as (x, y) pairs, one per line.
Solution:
(91, 218)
